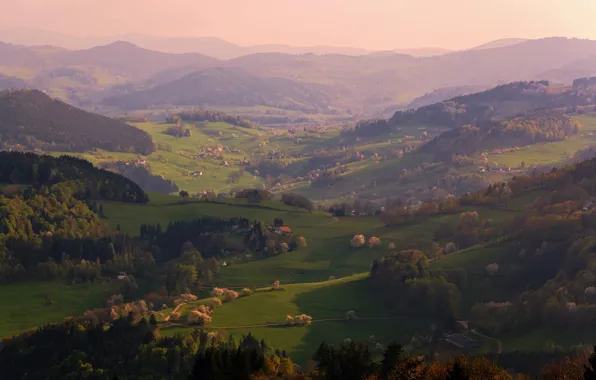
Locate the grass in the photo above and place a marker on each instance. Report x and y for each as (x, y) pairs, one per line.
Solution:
(24, 305)
(322, 300)
(552, 153)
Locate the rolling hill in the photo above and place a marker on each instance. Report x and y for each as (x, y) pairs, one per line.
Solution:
(31, 120)
(129, 60)
(500, 43)
(499, 102)
(225, 86)
(7, 83)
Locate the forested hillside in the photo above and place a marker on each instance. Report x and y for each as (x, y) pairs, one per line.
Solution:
(531, 128)
(230, 87)
(87, 182)
(33, 120)
(500, 102)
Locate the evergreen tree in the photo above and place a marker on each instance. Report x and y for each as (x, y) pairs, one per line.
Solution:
(457, 372)
(590, 372)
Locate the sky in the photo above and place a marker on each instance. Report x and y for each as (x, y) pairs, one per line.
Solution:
(371, 24)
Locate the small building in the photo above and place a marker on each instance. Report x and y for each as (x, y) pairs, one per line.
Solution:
(285, 230)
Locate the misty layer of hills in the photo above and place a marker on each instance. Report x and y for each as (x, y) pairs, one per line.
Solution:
(124, 76)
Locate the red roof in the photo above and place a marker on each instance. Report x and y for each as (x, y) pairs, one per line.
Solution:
(285, 229)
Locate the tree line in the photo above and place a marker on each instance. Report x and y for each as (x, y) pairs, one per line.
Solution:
(86, 181)
(131, 347)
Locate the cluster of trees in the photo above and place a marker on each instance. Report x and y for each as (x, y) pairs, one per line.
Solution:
(358, 207)
(292, 199)
(130, 348)
(86, 181)
(404, 280)
(209, 116)
(471, 108)
(255, 195)
(536, 126)
(403, 215)
(554, 259)
(370, 128)
(211, 234)
(33, 120)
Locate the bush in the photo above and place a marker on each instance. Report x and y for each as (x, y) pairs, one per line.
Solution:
(358, 241)
(188, 297)
(373, 241)
(245, 292)
(276, 285)
(351, 315)
(289, 320)
(204, 309)
(283, 247)
(302, 319)
(174, 316)
(217, 292)
(302, 242)
(492, 269)
(449, 248)
(214, 302)
(230, 295)
(197, 317)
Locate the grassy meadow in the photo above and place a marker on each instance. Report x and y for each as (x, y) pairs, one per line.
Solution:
(322, 301)
(26, 305)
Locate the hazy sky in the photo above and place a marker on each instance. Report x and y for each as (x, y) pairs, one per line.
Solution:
(374, 24)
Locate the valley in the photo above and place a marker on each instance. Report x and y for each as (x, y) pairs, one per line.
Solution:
(166, 205)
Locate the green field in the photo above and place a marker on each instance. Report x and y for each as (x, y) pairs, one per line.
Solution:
(25, 305)
(323, 300)
(552, 153)
(328, 238)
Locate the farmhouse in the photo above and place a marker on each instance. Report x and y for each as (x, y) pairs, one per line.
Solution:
(283, 230)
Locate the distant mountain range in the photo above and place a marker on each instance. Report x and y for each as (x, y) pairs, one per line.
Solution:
(210, 46)
(363, 85)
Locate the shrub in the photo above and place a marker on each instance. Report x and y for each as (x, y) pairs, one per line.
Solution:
(245, 292)
(199, 318)
(302, 242)
(289, 320)
(174, 316)
(283, 247)
(357, 241)
(214, 302)
(302, 319)
(230, 295)
(188, 297)
(204, 309)
(276, 285)
(373, 241)
(492, 269)
(449, 248)
(351, 315)
(217, 292)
